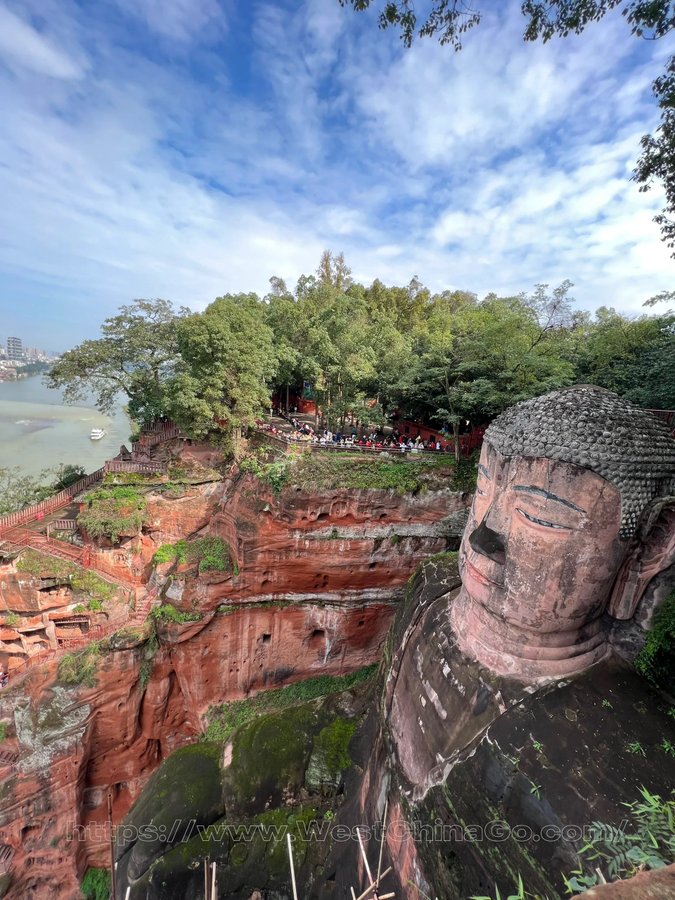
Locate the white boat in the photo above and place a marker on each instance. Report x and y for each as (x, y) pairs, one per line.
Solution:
(96, 434)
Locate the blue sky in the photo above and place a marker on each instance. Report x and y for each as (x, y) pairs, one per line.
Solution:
(190, 148)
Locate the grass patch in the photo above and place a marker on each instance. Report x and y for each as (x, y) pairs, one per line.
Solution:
(3, 731)
(113, 511)
(12, 619)
(166, 553)
(80, 668)
(224, 720)
(96, 589)
(32, 562)
(325, 471)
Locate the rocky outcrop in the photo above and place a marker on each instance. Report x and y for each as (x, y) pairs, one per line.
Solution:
(234, 803)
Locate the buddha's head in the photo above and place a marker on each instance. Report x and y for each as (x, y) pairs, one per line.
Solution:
(565, 486)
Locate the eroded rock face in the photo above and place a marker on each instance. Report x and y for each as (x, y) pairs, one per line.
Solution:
(332, 544)
(317, 586)
(233, 803)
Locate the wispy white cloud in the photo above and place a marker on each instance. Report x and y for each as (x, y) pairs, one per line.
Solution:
(179, 20)
(23, 47)
(196, 158)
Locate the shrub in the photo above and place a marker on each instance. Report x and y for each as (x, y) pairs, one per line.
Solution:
(656, 660)
(96, 884)
(167, 612)
(3, 731)
(165, 554)
(251, 465)
(113, 511)
(212, 554)
(12, 619)
(97, 589)
(79, 668)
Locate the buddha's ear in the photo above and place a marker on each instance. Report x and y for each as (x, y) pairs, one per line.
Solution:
(651, 551)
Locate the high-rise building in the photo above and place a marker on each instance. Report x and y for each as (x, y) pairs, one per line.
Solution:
(14, 348)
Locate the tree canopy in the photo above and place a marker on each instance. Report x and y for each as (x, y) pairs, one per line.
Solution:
(365, 353)
(450, 20)
(136, 354)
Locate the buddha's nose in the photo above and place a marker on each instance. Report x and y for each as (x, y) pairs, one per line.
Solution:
(486, 541)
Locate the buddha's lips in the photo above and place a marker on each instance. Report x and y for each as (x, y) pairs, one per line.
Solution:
(480, 577)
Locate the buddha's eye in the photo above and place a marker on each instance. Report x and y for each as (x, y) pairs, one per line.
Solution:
(542, 522)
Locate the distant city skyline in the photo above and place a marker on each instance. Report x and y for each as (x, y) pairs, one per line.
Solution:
(187, 150)
(26, 347)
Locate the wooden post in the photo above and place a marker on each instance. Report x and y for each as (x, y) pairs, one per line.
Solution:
(365, 858)
(206, 878)
(113, 878)
(213, 881)
(384, 832)
(290, 860)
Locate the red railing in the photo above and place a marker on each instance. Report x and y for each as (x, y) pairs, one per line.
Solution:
(130, 465)
(51, 504)
(285, 441)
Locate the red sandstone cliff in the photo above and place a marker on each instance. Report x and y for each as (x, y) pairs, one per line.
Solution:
(318, 580)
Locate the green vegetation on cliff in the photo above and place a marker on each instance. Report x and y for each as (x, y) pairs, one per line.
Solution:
(96, 884)
(323, 471)
(167, 612)
(210, 553)
(112, 512)
(92, 587)
(224, 720)
(80, 668)
(656, 660)
(317, 471)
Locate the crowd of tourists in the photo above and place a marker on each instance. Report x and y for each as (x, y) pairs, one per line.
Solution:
(303, 432)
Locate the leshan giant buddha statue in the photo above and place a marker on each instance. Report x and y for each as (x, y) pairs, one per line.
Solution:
(569, 487)
(572, 517)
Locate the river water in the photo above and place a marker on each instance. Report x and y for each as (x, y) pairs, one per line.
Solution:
(38, 431)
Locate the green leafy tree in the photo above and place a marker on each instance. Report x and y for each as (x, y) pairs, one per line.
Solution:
(471, 362)
(450, 20)
(18, 489)
(134, 357)
(633, 357)
(227, 363)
